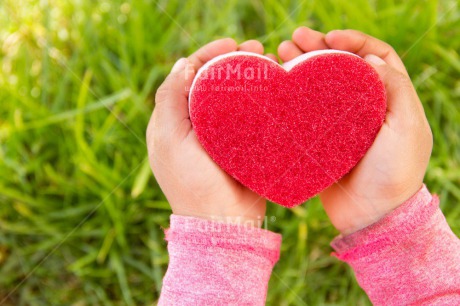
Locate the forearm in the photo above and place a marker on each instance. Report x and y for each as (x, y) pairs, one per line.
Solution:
(215, 263)
(411, 256)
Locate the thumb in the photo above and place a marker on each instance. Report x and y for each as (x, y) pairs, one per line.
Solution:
(402, 100)
(171, 103)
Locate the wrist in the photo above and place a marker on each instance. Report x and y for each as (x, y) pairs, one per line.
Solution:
(411, 215)
(236, 219)
(363, 218)
(246, 221)
(353, 212)
(243, 210)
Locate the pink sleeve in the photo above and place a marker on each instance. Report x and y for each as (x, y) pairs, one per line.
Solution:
(213, 263)
(410, 257)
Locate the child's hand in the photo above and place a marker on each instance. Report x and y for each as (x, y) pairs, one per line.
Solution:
(193, 184)
(393, 169)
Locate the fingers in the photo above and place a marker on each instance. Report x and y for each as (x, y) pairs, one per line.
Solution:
(211, 50)
(272, 57)
(309, 40)
(169, 118)
(362, 44)
(402, 100)
(303, 40)
(171, 101)
(287, 50)
(253, 46)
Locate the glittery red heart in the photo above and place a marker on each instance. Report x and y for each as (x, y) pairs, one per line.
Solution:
(289, 132)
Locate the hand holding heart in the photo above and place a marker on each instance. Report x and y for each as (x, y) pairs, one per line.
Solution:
(394, 167)
(390, 172)
(193, 184)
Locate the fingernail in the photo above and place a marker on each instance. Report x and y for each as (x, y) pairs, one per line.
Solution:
(179, 65)
(332, 32)
(374, 59)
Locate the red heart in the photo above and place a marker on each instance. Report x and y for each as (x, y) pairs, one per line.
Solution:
(287, 133)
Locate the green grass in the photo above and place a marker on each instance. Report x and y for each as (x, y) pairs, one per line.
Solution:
(80, 212)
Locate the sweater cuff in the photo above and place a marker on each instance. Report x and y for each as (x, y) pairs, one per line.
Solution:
(216, 263)
(205, 233)
(388, 231)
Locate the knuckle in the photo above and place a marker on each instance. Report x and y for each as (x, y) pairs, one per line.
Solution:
(150, 125)
(428, 134)
(388, 49)
(356, 32)
(161, 94)
(424, 137)
(148, 135)
(157, 137)
(158, 148)
(398, 81)
(164, 89)
(403, 81)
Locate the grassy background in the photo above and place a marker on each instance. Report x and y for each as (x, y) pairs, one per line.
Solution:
(80, 212)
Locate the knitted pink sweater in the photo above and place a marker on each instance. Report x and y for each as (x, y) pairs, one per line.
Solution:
(409, 257)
